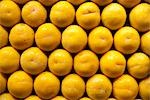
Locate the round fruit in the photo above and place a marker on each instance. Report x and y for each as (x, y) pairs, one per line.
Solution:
(10, 13)
(34, 14)
(6, 96)
(9, 60)
(59, 98)
(20, 84)
(129, 3)
(116, 65)
(3, 37)
(74, 38)
(47, 37)
(98, 87)
(114, 16)
(85, 98)
(125, 88)
(62, 14)
(88, 15)
(21, 36)
(127, 40)
(33, 61)
(144, 90)
(102, 2)
(50, 85)
(145, 46)
(32, 97)
(73, 87)
(139, 65)
(76, 2)
(48, 2)
(86, 63)
(60, 62)
(3, 83)
(21, 1)
(140, 17)
(100, 40)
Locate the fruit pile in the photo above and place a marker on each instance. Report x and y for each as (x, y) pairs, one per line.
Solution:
(74, 49)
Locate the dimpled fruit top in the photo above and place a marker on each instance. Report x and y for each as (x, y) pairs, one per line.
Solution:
(74, 49)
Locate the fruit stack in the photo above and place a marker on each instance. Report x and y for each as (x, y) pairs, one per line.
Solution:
(74, 49)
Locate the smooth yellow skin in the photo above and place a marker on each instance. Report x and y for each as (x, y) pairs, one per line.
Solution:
(88, 15)
(112, 64)
(140, 17)
(47, 37)
(3, 82)
(127, 40)
(144, 90)
(139, 65)
(62, 14)
(33, 61)
(6, 96)
(10, 13)
(145, 46)
(32, 97)
(86, 63)
(3, 37)
(100, 40)
(113, 16)
(73, 87)
(34, 14)
(21, 1)
(125, 88)
(74, 38)
(21, 36)
(9, 60)
(129, 3)
(102, 2)
(20, 84)
(98, 87)
(59, 98)
(48, 2)
(50, 85)
(76, 2)
(85, 98)
(60, 62)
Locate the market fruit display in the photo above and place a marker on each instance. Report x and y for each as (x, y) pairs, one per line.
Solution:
(74, 49)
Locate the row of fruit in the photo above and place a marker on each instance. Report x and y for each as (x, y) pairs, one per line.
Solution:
(74, 49)
(87, 15)
(85, 63)
(48, 37)
(47, 86)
